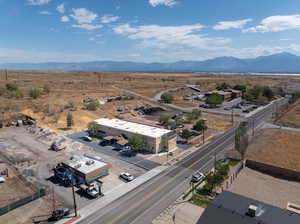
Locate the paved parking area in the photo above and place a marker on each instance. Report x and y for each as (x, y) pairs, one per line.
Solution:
(107, 150)
(29, 152)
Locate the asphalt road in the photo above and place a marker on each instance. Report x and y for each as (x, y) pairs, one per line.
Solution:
(146, 202)
(107, 150)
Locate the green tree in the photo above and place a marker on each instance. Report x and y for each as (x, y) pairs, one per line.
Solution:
(248, 96)
(92, 129)
(137, 142)
(196, 114)
(186, 134)
(223, 86)
(214, 99)
(35, 93)
(268, 92)
(242, 140)
(167, 98)
(70, 121)
(242, 88)
(202, 127)
(164, 119)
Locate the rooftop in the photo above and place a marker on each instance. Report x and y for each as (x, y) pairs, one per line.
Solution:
(85, 164)
(134, 128)
(232, 208)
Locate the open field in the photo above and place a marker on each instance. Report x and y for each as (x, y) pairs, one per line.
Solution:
(51, 109)
(292, 117)
(276, 147)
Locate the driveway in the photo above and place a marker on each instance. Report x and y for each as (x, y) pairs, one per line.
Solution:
(107, 150)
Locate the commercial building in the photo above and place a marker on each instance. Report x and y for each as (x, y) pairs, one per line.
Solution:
(158, 139)
(227, 94)
(236, 209)
(86, 168)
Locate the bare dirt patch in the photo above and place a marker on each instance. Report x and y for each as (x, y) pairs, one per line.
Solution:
(15, 187)
(266, 188)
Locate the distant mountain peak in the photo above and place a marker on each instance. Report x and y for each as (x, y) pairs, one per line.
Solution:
(283, 62)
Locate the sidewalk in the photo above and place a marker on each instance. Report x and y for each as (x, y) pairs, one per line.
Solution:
(114, 194)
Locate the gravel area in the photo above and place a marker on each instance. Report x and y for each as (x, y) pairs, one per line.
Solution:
(265, 188)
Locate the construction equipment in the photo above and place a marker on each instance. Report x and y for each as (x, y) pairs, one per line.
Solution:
(59, 213)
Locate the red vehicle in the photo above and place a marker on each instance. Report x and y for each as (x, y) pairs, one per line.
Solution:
(57, 147)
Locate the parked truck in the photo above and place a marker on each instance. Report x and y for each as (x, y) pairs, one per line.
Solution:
(92, 190)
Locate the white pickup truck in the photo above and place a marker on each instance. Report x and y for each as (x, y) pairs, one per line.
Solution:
(91, 190)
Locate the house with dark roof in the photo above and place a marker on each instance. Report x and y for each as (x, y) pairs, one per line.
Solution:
(230, 208)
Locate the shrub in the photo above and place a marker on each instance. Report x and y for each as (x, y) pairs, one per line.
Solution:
(93, 106)
(35, 93)
(167, 98)
(46, 89)
(200, 126)
(11, 86)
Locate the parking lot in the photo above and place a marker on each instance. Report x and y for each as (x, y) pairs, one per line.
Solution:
(107, 150)
(29, 152)
(237, 106)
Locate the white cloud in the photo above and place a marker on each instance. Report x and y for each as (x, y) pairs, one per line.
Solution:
(276, 24)
(88, 26)
(38, 2)
(237, 24)
(65, 19)
(170, 36)
(134, 55)
(169, 3)
(83, 16)
(8, 55)
(61, 8)
(109, 19)
(45, 13)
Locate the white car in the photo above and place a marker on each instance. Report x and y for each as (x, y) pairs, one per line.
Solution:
(2, 179)
(198, 176)
(127, 176)
(87, 138)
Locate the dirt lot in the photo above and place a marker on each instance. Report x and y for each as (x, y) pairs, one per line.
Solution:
(276, 147)
(265, 188)
(292, 117)
(50, 109)
(15, 187)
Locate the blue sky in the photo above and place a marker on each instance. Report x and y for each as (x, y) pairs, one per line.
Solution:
(146, 30)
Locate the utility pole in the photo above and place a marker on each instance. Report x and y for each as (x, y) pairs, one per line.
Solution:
(74, 200)
(6, 75)
(215, 160)
(232, 117)
(253, 126)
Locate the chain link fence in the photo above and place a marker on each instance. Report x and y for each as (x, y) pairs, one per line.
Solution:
(40, 193)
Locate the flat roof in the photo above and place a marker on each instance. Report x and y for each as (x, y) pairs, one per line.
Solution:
(84, 164)
(232, 208)
(132, 127)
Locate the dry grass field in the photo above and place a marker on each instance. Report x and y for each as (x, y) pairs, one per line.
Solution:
(292, 117)
(49, 109)
(276, 147)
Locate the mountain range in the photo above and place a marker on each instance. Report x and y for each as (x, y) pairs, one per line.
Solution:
(276, 63)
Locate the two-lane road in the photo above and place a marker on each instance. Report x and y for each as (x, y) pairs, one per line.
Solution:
(146, 202)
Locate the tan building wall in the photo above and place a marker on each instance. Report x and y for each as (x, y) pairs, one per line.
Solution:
(154, 145)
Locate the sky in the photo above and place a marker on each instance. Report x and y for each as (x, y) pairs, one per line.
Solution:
(146, 30)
